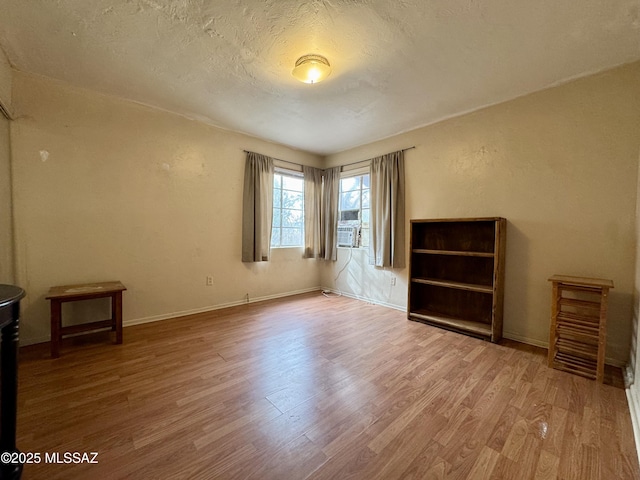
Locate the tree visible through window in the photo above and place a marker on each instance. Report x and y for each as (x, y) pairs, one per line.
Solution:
(354, 206)
(288, 210)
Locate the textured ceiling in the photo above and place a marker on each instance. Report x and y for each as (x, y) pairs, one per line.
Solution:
(397, 65)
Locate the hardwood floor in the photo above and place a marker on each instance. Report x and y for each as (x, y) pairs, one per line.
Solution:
(311, 387)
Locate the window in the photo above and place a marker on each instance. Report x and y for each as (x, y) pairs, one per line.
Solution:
(354, 213)
(288, 209)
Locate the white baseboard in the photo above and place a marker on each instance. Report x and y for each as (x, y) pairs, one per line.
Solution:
(166, 316)
(537, 343)
(634, 410)
(522, 339)
(402, 308)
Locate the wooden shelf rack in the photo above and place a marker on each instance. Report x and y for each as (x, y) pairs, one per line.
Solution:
(578, 332)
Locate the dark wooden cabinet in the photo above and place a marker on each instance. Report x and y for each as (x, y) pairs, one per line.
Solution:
(457, 274)
(10, 297)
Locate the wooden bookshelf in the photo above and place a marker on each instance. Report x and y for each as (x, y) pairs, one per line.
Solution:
(457, 274)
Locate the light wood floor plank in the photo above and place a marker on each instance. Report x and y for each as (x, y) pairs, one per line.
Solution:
(547, 468)
(310, 387)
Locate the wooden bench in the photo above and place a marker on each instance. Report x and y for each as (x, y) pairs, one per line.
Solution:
(72, 293)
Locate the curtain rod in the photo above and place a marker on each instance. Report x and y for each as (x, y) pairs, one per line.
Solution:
(278, 159)
(369, 159)
(341, 166)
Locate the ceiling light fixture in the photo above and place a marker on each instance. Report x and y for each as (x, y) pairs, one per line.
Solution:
(311, 68)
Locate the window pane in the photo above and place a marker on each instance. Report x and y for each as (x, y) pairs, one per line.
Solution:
(291, 237)
(292, 183)
(288, 213)
(350, 200)
(291, 218)
(365, 216)
(275, 237)
(277, 217)
(350, 183)
(365, 198)
(277, 197)
(364, 236)
(292, 199)
(355, 197)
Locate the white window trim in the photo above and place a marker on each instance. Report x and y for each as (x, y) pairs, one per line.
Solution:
(357, 172)
(291, 173)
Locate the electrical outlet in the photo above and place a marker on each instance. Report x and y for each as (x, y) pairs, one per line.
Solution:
(209, 281)
(393, 281)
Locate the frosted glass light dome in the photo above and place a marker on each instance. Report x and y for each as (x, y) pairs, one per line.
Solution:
(311, 68)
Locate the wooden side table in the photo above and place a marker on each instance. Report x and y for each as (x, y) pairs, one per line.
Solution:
(578, 333)
(72, 293)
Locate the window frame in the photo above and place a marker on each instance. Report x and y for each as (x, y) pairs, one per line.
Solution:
(285, 172)
(358, 172)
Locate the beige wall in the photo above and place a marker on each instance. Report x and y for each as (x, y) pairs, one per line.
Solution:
(6, 227)
(561, 166)
(633, 369)
(106, 189)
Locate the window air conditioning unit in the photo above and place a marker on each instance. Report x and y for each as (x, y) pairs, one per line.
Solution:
(349, 215)
(347, 236)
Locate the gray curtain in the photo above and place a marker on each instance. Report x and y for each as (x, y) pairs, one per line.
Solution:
(329, 220)
(257, 208)
(312, 212)
(387, 210)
